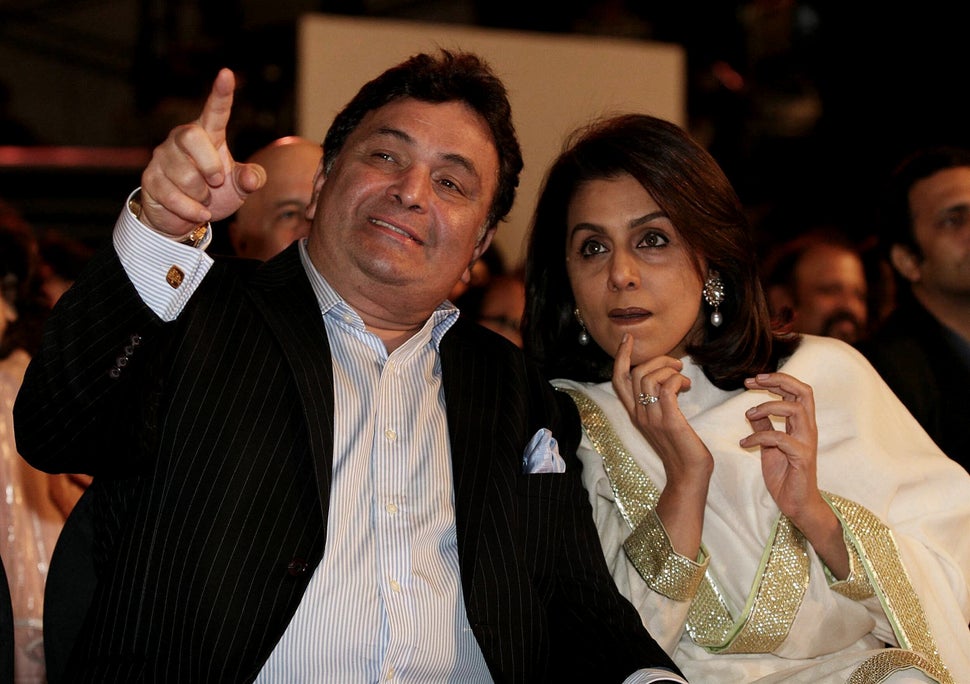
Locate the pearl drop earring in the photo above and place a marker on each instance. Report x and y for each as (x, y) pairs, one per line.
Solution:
(714, 296)
(583, 335)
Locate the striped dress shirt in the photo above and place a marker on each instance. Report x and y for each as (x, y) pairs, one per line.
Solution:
(386, 599)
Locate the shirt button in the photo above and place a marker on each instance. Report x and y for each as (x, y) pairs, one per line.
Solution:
(391, 508)
(390, 434)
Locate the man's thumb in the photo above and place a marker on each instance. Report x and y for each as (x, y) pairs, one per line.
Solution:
(248, 178)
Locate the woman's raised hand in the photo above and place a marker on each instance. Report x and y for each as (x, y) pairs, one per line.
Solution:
(789, 463)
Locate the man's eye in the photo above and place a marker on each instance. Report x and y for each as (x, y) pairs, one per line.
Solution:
(957, 218)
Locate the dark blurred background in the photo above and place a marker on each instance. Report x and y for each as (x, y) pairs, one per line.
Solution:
(806, 104)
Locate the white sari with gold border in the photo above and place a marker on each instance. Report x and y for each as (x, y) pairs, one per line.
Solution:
(766, 609)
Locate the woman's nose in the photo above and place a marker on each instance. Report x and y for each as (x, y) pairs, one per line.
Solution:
(624, 274)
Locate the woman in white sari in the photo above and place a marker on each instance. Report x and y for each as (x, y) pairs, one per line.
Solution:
(766, 502)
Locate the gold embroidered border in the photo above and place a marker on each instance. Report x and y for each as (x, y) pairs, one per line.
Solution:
(857, 585)
(774, 601)
(880, 557)
(666, 572)
(782, 580)
(875, 669)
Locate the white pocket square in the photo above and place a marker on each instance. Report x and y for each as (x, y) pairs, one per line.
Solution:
(542, 455)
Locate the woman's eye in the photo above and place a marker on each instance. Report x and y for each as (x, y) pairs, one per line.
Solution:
(591, 248)
(654, 240)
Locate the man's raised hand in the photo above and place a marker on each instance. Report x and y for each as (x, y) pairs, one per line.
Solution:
(192, 177)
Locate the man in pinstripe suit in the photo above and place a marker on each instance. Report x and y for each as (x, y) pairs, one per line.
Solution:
(312, 470)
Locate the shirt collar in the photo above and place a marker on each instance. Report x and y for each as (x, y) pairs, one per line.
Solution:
(442, 318)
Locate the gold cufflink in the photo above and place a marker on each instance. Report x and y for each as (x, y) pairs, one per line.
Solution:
(175, 276)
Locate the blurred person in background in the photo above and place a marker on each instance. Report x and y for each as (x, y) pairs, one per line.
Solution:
(61, 259)
(922, 350)
(276, 214)
(502, 304)
(29, 521)
(816, 281)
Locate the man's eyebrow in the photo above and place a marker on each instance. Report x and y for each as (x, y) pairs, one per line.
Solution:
(463, 161)
(959, 206)
(288, 201)
(394, 133)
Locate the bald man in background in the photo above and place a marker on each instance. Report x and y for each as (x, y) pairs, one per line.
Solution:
(275, 215)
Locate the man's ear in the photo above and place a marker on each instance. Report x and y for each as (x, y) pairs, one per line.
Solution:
(483, 243)
(318, 179)
(905, 262)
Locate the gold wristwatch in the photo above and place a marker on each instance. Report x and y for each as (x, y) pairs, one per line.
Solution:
(193, 238)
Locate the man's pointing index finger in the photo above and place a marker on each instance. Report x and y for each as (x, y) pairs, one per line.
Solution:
(215, 113)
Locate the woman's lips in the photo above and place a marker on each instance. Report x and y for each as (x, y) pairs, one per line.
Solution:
(629, 316)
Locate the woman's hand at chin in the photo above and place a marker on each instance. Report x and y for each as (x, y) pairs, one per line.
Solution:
(649, 393)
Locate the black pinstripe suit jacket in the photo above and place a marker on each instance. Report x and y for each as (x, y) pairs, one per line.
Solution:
(211, 442)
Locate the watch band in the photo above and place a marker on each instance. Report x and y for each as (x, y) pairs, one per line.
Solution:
(194, 238)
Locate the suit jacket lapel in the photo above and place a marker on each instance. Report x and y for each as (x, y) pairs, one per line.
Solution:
(282, 293)
(472, 397)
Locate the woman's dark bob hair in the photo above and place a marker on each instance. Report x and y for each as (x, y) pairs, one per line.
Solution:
(687, 183)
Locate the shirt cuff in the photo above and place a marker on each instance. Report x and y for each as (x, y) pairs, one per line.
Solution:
(165, 272)
(654, 675)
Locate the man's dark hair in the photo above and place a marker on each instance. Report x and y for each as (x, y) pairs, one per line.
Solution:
(446, 77)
